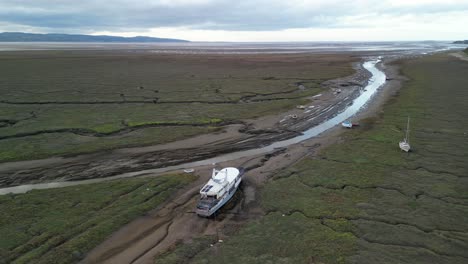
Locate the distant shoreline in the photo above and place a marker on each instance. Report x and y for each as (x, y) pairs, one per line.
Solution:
(78, 38)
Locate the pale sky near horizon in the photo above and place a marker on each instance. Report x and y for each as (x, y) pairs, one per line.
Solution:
(259, 20)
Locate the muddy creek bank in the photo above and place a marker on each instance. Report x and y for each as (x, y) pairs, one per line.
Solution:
(251, 138)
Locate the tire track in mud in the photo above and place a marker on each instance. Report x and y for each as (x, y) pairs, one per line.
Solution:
(122, 164)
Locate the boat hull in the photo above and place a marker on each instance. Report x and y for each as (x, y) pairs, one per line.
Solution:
(347, 124)
(404, 146)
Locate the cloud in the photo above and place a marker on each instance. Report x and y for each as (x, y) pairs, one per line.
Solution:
(125, 16)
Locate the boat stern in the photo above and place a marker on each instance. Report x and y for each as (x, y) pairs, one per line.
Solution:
(203, 212)
(205, 206)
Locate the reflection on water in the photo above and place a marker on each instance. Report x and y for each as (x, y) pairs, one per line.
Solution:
(376, 81)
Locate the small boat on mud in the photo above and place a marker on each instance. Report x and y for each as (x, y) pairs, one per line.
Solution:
(347, 124)
(218, 190)
(404, 145)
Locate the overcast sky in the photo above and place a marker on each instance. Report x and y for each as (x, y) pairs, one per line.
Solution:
(240, 20)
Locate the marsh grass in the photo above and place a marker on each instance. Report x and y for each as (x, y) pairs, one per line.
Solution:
(62, 225)
(45, 145)
(103, 91)
(365, 201)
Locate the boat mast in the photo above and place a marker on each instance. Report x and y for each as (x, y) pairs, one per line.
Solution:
(407, 132)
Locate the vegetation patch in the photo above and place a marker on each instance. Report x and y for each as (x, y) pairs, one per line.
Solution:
(364, 200)
(205, 121)
(62, 225)
(35, 147)
(105, 92)
(180, 255)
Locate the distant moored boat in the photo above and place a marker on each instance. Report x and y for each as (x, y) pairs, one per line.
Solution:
(404, 145)
(347, 124)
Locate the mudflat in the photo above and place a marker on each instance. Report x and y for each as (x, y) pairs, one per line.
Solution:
(107, 100)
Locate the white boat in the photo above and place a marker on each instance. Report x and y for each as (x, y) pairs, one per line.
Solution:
(404, 145)
(347, 124)
(219, 190)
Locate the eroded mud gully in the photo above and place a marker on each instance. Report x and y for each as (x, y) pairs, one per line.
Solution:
(241, 135)
(175, 221)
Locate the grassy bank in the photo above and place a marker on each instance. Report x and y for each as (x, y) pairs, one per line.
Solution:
(85, 101)
(365, 201)
(62, 225)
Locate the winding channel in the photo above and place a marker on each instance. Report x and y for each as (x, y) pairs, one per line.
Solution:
(374, 83)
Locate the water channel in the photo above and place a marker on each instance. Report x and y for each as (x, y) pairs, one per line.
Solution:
(375, 82)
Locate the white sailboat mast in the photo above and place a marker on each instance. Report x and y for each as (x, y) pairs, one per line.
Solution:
(407, 131)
